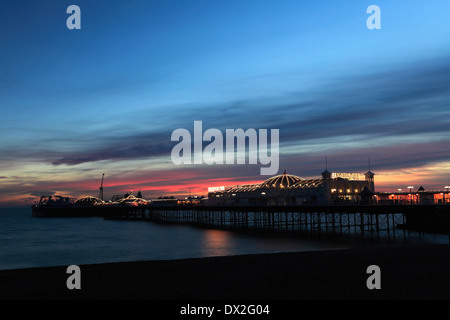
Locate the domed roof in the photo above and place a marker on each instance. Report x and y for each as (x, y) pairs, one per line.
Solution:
(281, 181)
(132, 200)
(88, 201)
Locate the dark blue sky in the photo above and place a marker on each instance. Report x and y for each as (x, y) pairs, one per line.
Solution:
(75, 103)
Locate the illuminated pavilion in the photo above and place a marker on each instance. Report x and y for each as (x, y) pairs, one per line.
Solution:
(288, 189)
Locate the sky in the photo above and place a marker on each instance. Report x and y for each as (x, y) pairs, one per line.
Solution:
(106, 98)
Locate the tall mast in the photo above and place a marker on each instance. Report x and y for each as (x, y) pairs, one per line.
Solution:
(101, 188)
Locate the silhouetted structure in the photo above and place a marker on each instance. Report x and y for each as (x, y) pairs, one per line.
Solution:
(101, 188)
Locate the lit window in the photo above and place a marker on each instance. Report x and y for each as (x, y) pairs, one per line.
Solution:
(333, 190)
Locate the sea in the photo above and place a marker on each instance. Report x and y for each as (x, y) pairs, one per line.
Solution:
(30, 242)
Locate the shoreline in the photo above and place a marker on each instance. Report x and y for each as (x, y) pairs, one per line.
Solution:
(407, 272)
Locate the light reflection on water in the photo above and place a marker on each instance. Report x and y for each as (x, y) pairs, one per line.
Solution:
(217, 243)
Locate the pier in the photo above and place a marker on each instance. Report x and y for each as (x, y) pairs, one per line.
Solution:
(369, 222)
(335, 205)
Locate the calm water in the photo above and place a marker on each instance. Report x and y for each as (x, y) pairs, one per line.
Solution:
(27, 242)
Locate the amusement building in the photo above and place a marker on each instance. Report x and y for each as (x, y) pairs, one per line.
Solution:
(330, 189)
(288, 189)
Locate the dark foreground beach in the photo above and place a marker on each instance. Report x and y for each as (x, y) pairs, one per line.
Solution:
(415, 272)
